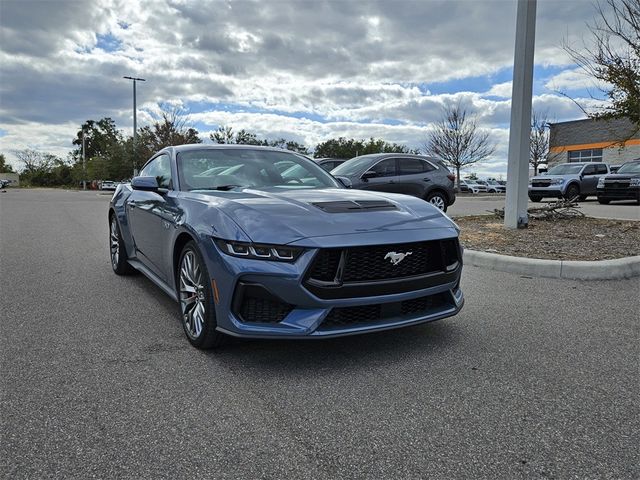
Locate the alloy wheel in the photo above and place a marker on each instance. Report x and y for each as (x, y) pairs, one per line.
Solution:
(437, 201)
(192, 296)
(114, 243)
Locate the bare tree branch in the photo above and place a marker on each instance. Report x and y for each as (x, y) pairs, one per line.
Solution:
(457, 140)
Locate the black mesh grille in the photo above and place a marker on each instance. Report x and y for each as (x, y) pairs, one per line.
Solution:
(349, 316)
(253, 303)
(262, 310)
(376, 262)
(325, 265)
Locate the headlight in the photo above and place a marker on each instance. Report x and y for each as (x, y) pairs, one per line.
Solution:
(278, 253)
(600, 182)
(634, 182)
(557, 181)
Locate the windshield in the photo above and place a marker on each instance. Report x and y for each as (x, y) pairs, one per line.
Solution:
(565, 169)
(353, 167)
(211, 169)
(631, 167)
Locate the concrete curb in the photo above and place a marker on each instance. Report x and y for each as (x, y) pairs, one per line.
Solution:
(627, 267)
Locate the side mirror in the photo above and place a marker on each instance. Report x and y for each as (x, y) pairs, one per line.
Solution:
(369, 174)
(346, 181)
(147, 184)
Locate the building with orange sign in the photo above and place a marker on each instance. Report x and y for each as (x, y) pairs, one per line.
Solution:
(611, 141)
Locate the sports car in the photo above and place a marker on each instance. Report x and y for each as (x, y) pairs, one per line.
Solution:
(251, 250)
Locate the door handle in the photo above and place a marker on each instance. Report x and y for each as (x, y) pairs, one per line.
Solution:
(426, 179)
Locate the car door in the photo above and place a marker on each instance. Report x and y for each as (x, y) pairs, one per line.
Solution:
(589, 180)
(414, 177)
(151, 215)
(385, 176)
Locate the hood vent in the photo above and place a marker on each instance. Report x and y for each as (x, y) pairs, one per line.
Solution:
(347, 206)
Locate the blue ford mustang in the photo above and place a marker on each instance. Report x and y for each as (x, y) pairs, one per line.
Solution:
(263, 243)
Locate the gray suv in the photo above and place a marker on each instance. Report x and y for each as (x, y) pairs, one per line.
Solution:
(416, 175)
(568, 180)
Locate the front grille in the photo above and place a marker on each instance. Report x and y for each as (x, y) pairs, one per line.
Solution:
(615, 185)
(540, 183)
(368, 314)
(255, 304)
(383, 269)
(362, 264)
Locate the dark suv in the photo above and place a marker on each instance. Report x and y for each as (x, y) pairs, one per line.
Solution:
(415, 175)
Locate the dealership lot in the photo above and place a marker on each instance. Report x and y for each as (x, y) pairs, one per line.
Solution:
(535, 378)
(468, 204)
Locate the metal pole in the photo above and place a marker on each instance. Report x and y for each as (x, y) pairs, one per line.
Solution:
(515, 212)
(84, 164)
(135, 123)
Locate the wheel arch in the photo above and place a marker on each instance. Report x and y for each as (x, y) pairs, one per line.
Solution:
(438, 189)
(181, 240)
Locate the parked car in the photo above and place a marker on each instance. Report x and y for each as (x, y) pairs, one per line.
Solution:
(4, 183)
(493, 186)
(623, 185)
(416, 175)
(252, 254)
(469, 186)
(329, 163)
(568, 180)
(107, 185)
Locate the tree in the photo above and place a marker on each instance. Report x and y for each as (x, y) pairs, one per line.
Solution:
(172, 129)
(538, 140)
(104, 144)
(225, 135)
(37, 167)
(4, 166)
(350, 147)
(612, 57)
(457, 140)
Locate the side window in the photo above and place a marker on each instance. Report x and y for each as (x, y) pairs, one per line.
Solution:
(160, 168)
(589, 170)
(385, 168)
(412, 166)
(601, 169)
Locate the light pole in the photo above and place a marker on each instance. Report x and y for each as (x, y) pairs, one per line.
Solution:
(515, 211)
(135, 126)
(84, 163)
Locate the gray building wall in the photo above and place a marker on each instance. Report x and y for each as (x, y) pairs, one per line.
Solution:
(619, 140)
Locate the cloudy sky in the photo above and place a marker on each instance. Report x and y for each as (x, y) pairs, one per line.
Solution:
(306, 70)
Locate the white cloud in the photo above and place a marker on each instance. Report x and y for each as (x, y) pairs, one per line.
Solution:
(357, 65)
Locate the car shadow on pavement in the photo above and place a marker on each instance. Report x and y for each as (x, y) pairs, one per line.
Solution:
(314, 355)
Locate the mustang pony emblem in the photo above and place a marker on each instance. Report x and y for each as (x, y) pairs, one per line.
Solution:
(396, 258)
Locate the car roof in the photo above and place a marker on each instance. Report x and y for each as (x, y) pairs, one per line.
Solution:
(223, 146)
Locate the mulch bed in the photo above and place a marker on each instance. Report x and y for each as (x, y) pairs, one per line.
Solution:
(582, 238)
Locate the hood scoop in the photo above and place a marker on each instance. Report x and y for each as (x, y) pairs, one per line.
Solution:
(348, 206)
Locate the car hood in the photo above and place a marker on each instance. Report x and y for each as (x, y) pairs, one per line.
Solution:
(613, 176)
(554, 177)
(281, 217)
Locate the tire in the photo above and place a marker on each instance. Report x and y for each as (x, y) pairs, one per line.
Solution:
(535, 198)
(572, 191)
(438, 200)
(603, 201)
(197, 308)
(117, 249)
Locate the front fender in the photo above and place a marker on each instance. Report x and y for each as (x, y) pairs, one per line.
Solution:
(118, 206)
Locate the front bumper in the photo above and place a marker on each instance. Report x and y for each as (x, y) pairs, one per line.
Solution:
(550, 191)
(626, 193)
(280, 305)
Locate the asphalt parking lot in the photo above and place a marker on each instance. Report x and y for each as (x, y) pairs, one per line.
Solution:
(536, 378)
(467, 204)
